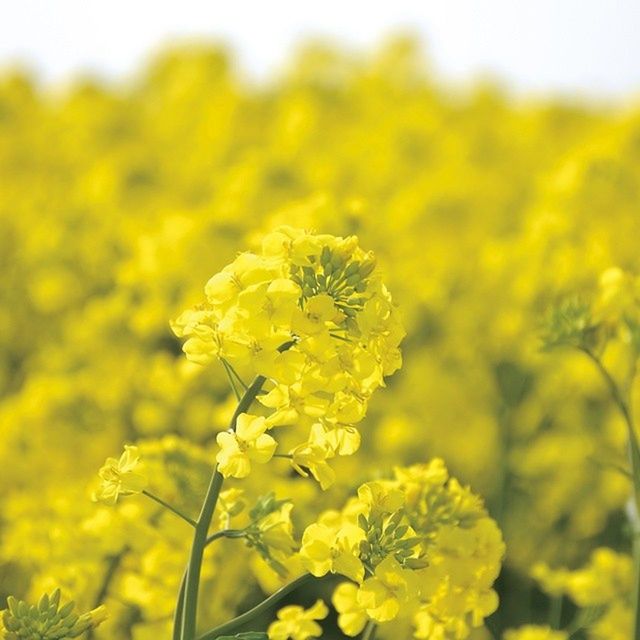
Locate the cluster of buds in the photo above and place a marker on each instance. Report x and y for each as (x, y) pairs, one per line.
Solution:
(589, 322)
(47, 620)
(310, 315)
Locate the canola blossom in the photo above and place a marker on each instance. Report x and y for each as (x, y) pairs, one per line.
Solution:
(310, 317)
(123, 209)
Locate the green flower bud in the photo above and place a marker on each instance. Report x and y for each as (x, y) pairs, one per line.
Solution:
(45, 621)
(352, 269)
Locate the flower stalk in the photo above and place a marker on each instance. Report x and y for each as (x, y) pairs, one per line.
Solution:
(203, 523)
(624, 406)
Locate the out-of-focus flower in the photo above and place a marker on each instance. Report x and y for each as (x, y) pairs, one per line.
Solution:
(123, 476)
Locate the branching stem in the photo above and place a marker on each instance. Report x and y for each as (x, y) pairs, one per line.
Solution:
(204, 522)
(248, 616)
(624, 406)
(369, 632)
(171, 508)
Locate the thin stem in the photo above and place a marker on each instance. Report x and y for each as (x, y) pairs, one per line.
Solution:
(625, 410)
(171, 508)
(231, 380)
(113, 565)
(225, 533)
(634, 455)
(555, 612)
(636, 586)
(196, 555)
(236, 375)
(369, 632)
(179, 612)
(204, 521)
(248, 616)
(177, 618)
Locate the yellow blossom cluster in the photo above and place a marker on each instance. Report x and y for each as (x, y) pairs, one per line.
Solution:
(310, 317)
(294, 623)
(419, 548)
(602, 589)
(118, 201)
(534, 632)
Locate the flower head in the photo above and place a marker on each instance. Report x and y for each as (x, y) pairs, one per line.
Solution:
(247, 443)
(326, 549)
(123, 476)
(296, 623)
(48, 620)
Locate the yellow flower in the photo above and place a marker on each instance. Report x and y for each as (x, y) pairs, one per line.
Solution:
(296, 623)
(392, 586)
(276, 530)
(121, 477)
(248, 443)
(534, 632)
(316, 315)
(352, 618)
(314, 458)
(381, 497)
(326, 549)
(246, 270)
(230, 503)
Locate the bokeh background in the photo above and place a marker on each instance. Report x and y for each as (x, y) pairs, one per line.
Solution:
(489, 153)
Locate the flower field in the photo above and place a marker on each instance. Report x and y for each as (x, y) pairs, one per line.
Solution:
(402, 322)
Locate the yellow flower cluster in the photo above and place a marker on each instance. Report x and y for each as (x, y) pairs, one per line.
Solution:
(419, 548)
(603, 589)
(311, 316)
(294, 623)
(534, 632)
(118, 202)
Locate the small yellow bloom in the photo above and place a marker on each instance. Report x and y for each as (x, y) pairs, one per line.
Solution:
(296, 623)
(248, 443)
(315, 316)
(121, 477)
(314, 458)
(352, 618)
(380, 497)
(326, 549)
(231, 503)
(392, 586)
(276, 530)
(534, 632)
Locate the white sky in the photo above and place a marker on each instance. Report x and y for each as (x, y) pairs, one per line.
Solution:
(535, 46)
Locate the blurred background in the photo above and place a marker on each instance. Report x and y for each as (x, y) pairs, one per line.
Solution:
(584, 47)
(488, 152)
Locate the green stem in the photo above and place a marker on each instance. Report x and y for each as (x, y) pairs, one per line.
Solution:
(636, 586)
(113, 564)
(171, 508)
(369, 631)
(177, 618)
(204, 522)
(625, 410)
(555, 612)
(231, 380)
(179, 612)
(634, 455)
(248, 616)
(236, 375)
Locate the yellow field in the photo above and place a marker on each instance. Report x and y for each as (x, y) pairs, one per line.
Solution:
(119, 202)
